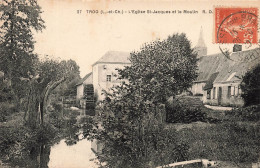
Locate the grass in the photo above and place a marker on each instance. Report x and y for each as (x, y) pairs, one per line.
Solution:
(234, 143)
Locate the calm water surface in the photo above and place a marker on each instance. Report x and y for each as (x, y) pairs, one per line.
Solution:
(79, 155)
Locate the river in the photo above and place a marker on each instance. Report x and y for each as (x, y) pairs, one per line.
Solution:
(72, 151)
(79, 155)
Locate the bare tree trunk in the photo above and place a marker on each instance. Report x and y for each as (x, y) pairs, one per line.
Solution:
(32, 114)
(37, 103)
(50, 87)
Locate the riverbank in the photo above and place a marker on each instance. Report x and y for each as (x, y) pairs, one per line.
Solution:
(30, 147)
(231, 143)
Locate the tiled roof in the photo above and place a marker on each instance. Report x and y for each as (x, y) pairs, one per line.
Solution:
(229, 70)
(84, 78)
(114, 57)
(208, 65)
(209, 84)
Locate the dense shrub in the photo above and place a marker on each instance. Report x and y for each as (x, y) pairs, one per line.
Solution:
(6, 109)
(249, 113)
(250, 86)
(180, 112)
(57, 106)
(21, 146)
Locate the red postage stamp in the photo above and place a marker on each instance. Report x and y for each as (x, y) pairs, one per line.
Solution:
(236, 25)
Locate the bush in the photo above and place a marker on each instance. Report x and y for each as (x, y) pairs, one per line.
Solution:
(249, 113)
(6, 109)
(20, 146)
(250, 86)
(57, 106)
(180, 112)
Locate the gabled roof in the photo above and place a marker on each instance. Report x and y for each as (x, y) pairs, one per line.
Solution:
(229, 70)
(84, 78)
(209, 84)
(208, 65)
(235, 70)
(115, 57)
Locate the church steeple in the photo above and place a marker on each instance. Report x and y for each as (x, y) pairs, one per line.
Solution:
(201, 47)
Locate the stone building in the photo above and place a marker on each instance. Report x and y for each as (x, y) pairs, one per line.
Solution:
(105, 74)
(220, 76)
(87, 79)
(225, 76)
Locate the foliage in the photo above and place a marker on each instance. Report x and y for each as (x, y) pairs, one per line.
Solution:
(162, 68)
(5, 94)
(65, 121)
(21, 146)
(227, 141)
(18, 20)
(133, 135)
(249, 113)
(50, 70)
(130, 121)
(6, 109)
(181, 112)
(67, 88)
(49, 74)
(250, 86)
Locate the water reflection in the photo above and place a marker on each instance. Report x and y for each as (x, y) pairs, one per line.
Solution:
(74, 156)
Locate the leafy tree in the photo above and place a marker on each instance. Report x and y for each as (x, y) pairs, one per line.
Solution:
(130, 123)
(68, 88)
(250, 86)
(132, 133)
(162, 68)
(18, 19)
(49, 75)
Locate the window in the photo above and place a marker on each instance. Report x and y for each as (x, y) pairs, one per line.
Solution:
(214, 92)
(108, 78)
(208, 94)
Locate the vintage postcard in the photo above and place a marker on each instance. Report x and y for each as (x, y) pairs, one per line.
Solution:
(129, 84)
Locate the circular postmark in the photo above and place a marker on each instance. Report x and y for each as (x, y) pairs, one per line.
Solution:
(236, 30)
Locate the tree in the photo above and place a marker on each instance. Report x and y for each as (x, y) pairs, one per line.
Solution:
(129, 122)
(18, 19)
(50, 74)
(250, 86)
(68, 88)
(162, 68)
(132, 133)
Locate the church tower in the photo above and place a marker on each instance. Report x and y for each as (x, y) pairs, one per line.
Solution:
(201, 48)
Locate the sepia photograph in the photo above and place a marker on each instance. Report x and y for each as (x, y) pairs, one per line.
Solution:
(129, 84)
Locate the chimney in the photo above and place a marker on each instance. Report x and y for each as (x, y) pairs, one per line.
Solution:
(237, 47)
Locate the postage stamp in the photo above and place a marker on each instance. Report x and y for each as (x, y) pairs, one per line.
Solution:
(236, 25)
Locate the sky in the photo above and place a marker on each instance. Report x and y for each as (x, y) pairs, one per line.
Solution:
(86, 37)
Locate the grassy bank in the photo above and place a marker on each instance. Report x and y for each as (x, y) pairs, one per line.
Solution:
(21, 145)
(234, 141)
